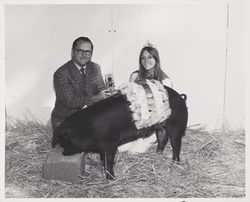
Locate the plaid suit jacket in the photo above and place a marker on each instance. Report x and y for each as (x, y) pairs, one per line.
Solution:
(72, 91)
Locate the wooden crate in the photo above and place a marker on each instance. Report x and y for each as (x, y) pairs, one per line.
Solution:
(66, 168)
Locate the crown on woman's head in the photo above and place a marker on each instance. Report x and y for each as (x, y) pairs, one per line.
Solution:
(149, 44)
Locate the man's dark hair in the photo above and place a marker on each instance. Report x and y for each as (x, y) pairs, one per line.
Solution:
(82, 38)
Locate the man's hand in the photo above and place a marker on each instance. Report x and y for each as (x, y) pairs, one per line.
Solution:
(107, 93)
(100, 96)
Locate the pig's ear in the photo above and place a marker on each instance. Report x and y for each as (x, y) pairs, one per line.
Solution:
(55, 138)
(54, 141)
(64, 140)
(67, 151)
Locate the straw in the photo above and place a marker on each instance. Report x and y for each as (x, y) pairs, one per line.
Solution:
(212, 165)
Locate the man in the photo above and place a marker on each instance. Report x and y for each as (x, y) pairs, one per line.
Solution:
(78, 83)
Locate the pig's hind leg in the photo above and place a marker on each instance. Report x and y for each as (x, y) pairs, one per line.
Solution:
(175, 140)
(162, 139)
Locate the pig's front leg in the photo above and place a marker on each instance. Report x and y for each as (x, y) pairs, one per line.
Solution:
(109, 157)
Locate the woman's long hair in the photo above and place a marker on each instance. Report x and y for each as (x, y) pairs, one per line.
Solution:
(157, 72)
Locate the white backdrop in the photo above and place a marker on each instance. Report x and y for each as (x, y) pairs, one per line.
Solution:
(191, 39)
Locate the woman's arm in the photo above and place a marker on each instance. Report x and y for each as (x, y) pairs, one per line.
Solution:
(133, 77)
(167, 82)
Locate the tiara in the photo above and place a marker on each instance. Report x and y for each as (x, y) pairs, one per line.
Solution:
(149, 44)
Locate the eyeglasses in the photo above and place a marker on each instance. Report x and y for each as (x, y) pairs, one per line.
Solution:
(83, 52)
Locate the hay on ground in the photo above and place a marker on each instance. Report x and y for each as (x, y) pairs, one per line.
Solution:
(212, 165)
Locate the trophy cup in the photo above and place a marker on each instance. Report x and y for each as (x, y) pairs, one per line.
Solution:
(109, 81)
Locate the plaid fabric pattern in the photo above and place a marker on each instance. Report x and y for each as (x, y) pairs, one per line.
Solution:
(74, 91)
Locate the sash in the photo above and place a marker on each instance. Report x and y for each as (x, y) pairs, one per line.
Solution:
(148, 102)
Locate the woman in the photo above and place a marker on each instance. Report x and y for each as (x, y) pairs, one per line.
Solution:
(149, 67)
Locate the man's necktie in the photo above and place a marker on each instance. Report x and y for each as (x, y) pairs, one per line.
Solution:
(83, 72)
(83, 80)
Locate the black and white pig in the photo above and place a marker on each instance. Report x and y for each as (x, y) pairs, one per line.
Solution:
(107, 124)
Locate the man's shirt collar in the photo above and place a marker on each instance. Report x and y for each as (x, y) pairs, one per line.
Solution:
(79, 67)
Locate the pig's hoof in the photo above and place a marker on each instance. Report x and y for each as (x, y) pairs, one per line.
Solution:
(110, 176)
(176, 160)
(159, 152)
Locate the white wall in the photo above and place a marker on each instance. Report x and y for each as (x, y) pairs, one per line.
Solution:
(38, 41)
(191, 39)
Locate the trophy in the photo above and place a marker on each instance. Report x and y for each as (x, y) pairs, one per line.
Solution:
(109, 81)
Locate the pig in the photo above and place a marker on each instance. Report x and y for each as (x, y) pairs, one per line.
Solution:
(102, 127)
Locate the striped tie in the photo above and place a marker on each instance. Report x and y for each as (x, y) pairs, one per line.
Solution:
(83, 72)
